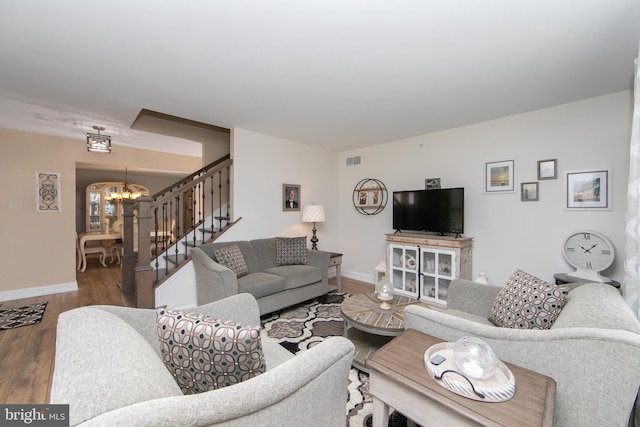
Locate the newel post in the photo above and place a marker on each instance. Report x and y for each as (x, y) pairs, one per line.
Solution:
(128, 254)
(145, 297)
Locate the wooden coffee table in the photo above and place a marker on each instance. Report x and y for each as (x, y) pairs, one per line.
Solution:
(369, 327)
(399, 379)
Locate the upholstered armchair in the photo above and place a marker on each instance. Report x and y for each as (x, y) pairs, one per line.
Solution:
(592, 350)
(109, 369)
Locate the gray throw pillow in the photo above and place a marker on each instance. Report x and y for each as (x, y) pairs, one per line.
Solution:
(203, 353)
(527, 302)
(232, 258)
(291, 250)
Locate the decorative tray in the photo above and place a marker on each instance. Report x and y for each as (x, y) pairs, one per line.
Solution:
(500, 387)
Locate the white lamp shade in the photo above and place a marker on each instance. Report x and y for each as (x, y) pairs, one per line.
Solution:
(313, 213)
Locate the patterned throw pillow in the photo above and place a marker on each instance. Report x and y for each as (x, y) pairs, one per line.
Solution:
(231, 257)
(527, 302)
(203, 353)
(291, 250)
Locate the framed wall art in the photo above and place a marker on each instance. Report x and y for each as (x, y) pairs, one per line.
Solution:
(588, 190)
(499, 176)
(529, 192)
(48, 192)
(432, 183)
(363, 198)
(290, 197)
(548, 169)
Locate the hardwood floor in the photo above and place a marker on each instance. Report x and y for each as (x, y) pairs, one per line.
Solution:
(27, 353)
(354, 287)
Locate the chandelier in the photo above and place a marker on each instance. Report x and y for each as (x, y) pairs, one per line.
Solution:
(127, 193)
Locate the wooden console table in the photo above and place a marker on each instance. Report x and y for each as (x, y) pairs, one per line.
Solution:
(399, 379)
(335, 260)
(562, 278)
(422, 265)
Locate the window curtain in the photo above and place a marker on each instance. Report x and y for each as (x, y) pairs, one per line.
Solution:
(632, 249)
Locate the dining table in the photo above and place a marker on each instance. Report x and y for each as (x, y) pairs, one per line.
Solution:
(93, 236)
(163, 237)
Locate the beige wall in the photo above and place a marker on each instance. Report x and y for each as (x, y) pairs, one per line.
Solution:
(39, 248)
(217, 145)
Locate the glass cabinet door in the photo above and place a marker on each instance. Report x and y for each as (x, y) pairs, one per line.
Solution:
(94, 211)
(437, 268)
(111, 207)
(403, 269)
(101, 209)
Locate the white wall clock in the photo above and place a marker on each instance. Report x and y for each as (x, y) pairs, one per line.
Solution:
(590, 253)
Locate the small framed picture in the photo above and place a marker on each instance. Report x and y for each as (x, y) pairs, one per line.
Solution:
(499, 176)
(376, 198)
(588, 190)
(290, 197)
(529, 192)
(363, 198)
(548, 169)
(431, 183)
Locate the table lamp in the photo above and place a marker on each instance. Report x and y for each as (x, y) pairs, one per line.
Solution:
(313, 213)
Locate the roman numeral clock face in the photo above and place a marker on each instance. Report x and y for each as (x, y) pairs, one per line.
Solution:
(587, 250)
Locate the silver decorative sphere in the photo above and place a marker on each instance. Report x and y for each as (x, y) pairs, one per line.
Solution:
(474, 357)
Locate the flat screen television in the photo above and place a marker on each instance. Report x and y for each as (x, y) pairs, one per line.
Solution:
(438, 210)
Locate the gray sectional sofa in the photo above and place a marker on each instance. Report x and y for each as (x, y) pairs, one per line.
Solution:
(109, 370)
(274, 286)
(592, 350)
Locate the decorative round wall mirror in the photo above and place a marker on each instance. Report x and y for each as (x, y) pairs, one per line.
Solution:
(370, 196)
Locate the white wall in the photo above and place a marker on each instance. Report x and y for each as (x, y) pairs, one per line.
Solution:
(261, 165)
(508, 234)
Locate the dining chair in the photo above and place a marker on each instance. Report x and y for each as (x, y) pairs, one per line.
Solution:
(165, 236)
(115, 250)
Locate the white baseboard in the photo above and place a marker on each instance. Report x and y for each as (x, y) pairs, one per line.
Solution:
(38, 291)
(367, 278)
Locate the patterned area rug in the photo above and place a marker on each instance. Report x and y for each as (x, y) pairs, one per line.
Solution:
(302, 326)
(22, 316)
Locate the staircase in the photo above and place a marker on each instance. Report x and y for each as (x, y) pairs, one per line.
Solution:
(163, 228)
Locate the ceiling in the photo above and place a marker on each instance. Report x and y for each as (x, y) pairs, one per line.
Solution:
(336, 74)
